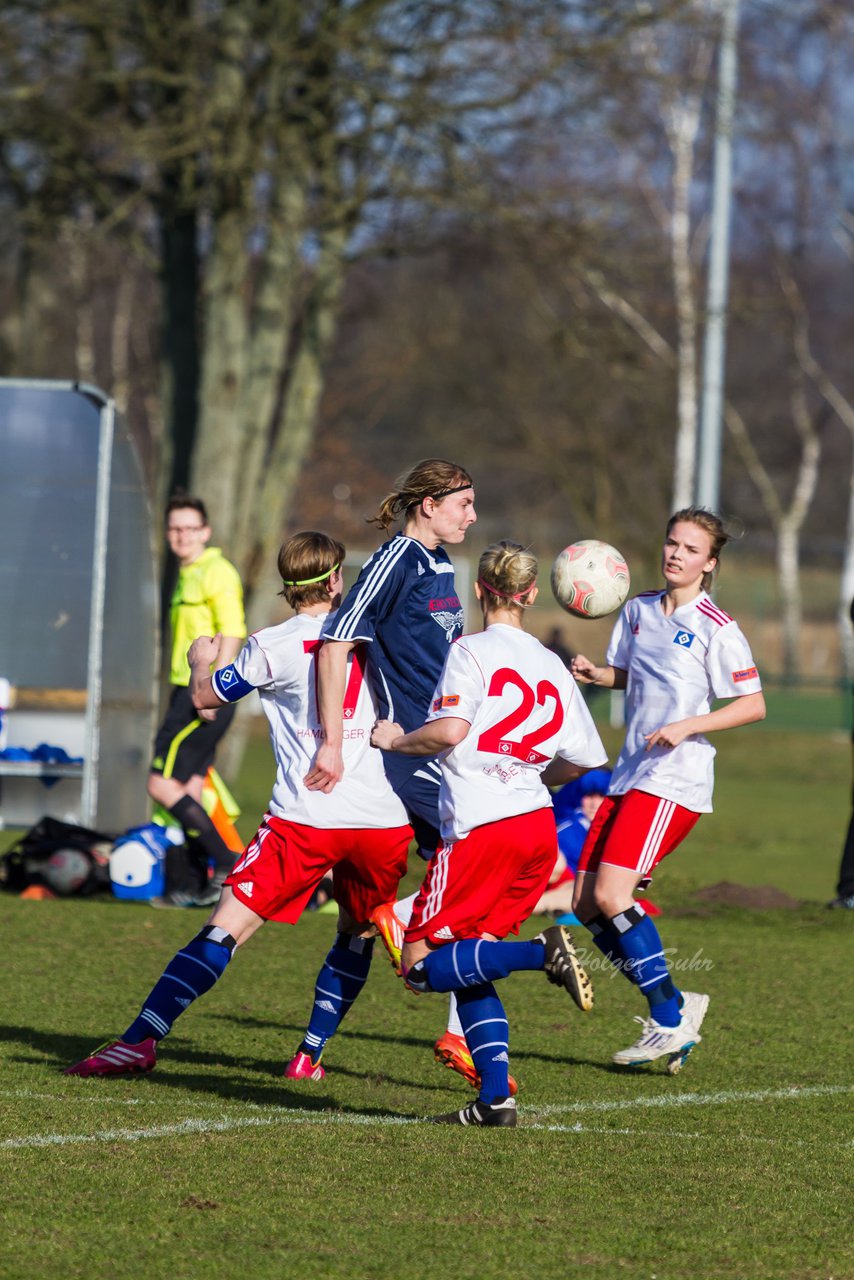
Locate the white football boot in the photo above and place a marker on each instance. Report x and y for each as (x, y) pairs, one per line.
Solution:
(694, 1008)
(656, 1041)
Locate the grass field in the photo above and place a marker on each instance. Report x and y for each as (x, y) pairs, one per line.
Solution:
(215, 1166)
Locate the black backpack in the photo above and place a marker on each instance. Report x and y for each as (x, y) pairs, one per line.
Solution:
(37, 858)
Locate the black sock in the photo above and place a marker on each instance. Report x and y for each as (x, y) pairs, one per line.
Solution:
(199, 827)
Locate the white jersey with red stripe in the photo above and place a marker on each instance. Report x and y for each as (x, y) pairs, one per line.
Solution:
(677, 665)
(280, 662)
(523, 708)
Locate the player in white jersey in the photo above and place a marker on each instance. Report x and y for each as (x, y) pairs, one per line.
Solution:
(506, 722)
(359, 833)
(674, 651)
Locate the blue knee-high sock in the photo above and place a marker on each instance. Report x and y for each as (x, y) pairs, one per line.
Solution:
(486, 1031)
(341, 978)
(188, 975)
(475, 961)
(609, 941)
(646, 964)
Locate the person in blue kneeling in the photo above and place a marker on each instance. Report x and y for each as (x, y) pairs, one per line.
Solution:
(575, 806)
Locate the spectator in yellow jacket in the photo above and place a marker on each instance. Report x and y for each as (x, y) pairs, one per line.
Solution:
(207, 600)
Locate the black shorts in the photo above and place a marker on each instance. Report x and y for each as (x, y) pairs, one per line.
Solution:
(185, 745)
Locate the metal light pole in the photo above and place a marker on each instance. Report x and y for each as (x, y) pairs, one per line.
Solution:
(708, 479)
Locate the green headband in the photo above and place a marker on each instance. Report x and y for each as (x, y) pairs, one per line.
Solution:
(309, 582)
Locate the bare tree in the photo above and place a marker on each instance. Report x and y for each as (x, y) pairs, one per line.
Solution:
(812, 370)
(681, 92)
(274, 142)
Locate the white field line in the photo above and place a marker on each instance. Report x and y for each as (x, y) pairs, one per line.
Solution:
(698, 1099)
(286, 1115)
(185, 1127)
(190, 1127)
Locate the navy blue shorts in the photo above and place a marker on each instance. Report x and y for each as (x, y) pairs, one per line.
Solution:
(416, 782)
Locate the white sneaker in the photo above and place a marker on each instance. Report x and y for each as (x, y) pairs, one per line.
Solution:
(694, 1008)
(659, 1042)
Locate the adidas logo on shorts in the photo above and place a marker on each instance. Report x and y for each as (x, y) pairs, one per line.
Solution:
(445, 933)
(246, 886)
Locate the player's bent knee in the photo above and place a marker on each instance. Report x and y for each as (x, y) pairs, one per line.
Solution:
(610, 904)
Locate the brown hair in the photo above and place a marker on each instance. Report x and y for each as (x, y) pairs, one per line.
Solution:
(432, 478)
(711, 524)
(181, 500)
(508, 571)
(305, 562)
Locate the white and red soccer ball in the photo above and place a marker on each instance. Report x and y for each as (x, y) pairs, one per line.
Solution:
(590, 578)
(65, 871)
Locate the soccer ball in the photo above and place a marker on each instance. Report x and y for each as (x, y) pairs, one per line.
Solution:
(65, 871)
(590, 578)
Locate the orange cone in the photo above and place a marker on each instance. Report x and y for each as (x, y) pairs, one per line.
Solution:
(221, 807)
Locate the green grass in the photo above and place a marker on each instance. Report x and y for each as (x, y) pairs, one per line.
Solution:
(316, 1180)
(215, 1166)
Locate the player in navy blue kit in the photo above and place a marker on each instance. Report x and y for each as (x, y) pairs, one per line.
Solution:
(405, 609)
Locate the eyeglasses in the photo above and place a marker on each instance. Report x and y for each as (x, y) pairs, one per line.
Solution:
(184, 528)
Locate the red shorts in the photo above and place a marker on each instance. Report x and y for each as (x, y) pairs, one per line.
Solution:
(488, 882)
(284, 863)
(635, 831)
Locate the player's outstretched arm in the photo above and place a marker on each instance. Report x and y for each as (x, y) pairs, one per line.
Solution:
(327, 769)
(586, 672)
(744, 710)
(429, 740)
(558, 771)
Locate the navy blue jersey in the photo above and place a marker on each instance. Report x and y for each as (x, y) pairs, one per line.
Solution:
(404, 605)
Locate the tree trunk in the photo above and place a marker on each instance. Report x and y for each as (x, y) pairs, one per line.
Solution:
(844, 410)
(846, 588)
(788, 557)
(270, 328)
(299, 416)
(224, 363)
(683, 136)
(225, 325)
(180, 344)
(77, 240)
(301, 402)
(120, 337)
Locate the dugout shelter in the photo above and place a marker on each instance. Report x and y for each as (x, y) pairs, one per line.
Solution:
(78, 610)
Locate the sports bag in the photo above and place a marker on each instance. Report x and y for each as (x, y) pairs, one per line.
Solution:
(67, 859)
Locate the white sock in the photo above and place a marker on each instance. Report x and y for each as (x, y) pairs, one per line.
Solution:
(403, 909)
(454, 1024)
